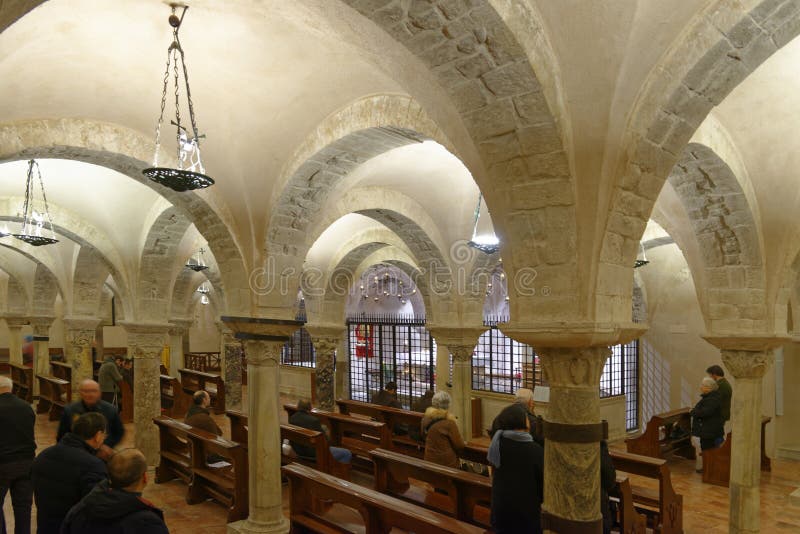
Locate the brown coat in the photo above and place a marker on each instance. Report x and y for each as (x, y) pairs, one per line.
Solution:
(199, 417)
(443, 442)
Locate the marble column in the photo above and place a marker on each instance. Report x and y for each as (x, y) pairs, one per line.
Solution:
(78, 337)
(747, 359)
(15, 339)
(572, 466)
(326, 340)
(178, 336)
(145, 343)
(232, 369)
(263, 340)
(443, 369)
(41, 348)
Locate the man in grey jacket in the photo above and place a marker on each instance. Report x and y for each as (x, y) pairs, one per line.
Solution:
(109, 377)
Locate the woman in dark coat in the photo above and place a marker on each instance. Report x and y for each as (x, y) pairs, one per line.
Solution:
(518, 475)
(707, 423)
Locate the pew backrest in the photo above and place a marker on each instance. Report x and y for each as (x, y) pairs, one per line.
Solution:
(238, 422)
(213, 383)
(61, 370)
(175, 401)
(22, 378)
(175, 450)
(651, 443)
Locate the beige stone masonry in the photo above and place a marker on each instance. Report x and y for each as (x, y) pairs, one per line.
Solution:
(78, 337)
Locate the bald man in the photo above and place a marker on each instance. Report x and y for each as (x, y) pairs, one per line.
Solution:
(91, 402)
(116, 506)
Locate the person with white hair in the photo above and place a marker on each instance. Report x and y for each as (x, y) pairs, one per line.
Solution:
(707, 421)
(524, 397)
(443, 442)
(17, 449)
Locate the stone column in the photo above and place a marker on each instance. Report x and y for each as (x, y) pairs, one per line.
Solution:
(747, 359)
(99, 344)
(178, 338)
(15, 339)
(342, 372)
(263, 340)
(145, 344)
(232, 369)
(41, 348)
(573, 431)
(327, 340)
(78, 337)
(443, 369)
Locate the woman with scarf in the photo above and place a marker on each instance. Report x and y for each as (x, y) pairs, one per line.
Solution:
(518, 475)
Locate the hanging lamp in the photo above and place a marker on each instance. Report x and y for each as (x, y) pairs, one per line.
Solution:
(190, 173)
(34, 221)
(204, 290)
(198, 264)
(641, 262)
(486, 243)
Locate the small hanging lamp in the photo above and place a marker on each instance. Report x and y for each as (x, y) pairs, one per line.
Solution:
(204, 290)
(486, 243)
(190, 173)
(197, 264)
(641, 262)
(33, 220)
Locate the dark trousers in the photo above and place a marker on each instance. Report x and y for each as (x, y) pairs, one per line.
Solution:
(16, 478)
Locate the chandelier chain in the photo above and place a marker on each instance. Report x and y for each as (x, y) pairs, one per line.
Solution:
(28, 181)
(163, 106)
(177, 99)
(44, 198)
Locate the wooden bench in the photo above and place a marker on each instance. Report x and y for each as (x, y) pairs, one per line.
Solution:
(359, 436)
(650, 444)
(717, 462)
(22, 378)
(379, 513)
(54, 395)
(212, 383)
(175, 401)
(207, 362)
(61, 370)
(630, 521)
(467, 497)
(175, 450)
(238, 422)
(126, 402)
(394, 418)
(663, 507)
(226, 485)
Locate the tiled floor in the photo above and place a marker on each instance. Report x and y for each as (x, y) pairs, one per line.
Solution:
(705, 506)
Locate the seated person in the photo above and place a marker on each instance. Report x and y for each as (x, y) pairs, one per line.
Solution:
(305, 419)
(387, 396)
(199, 415)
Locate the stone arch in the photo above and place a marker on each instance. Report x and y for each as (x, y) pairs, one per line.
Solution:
(90, 275)
(677, 96)
(128, 152)
(17, 284)
(526, 178)
(45, 290)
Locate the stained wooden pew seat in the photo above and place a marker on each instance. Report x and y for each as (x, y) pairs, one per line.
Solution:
(649, 443)
(213, 383)
(395, 418)
(379, 513)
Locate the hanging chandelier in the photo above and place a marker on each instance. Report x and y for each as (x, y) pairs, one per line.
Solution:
(190, 173)
(35, 221)
(204, 290)
(487, 242)
(197, 264)
(383, 285)
(641, 262)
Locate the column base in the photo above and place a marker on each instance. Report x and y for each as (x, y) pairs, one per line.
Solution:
(251, 527)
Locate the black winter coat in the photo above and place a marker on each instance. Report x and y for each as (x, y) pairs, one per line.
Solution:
(518, 488)
(112, 511)
(707, 422)
(62, 475)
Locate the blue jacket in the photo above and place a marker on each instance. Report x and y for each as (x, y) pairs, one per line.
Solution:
(111, 511)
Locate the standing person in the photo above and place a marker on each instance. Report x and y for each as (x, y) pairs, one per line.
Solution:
(305, 419)
(387, 396)
(443, 442)
(707, 422)
(64, 473)
(17, 449)
(725, 393)
(109, 377)
(89, 391)
(116, 506)
(524, 397)
(518, 477)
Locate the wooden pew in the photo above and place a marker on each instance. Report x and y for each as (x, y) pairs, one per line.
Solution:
(226, 485)
(323, 460)
(379, 513)
(717, 462)
(212, 383)
(630, 521)
(175, 450)
(126, 400)
(394, 418)
(207, 362)
(649, 444)
(175, 401)
(663, 507)
(61, 370)
(54, 395)
(360, 436)
(22, 378)
(468, 496)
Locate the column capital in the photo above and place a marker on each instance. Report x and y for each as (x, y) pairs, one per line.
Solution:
(330, 332)
(147, 337)
(262, 328)
(262, 352)
(460, 341)
(178, 327)
(573, 334)
(754, 343)
(15, 321)
(571, 367)
(81, 322)
(747, 363)
(41, 320)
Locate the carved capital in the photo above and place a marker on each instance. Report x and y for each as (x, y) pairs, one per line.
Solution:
(41, 325)
(146, 340)
(746, 363)
(263, 352)
(79, 338)
(81, 323)
(461, 353)
(573, 367)
(326, 345)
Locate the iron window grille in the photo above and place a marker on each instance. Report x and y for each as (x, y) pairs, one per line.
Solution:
(299, 350)
(621, 377)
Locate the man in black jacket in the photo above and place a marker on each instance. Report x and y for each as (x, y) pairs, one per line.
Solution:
(305, 419)
(91, 402)
(64, 473)
(17, 449)
(117, 507)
